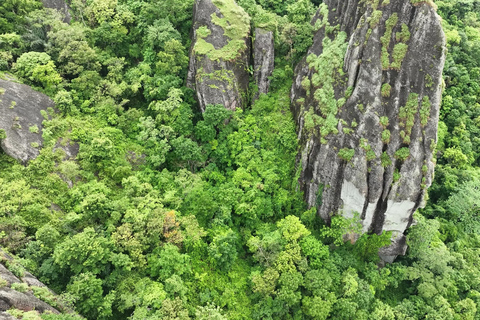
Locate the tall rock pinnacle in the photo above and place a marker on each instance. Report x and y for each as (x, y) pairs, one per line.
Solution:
(366, 101)
(220, 53)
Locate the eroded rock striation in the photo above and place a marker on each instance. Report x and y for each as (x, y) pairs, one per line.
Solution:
(21, 120)
(220, 53)
(366, 101)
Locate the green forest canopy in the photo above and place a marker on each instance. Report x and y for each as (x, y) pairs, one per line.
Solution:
(173, 214)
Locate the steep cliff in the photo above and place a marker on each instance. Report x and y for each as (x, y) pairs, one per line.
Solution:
(366, 101)
(220, 53)
(21, 120)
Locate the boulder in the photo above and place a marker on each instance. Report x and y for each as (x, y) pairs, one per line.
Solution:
(366, 102)
(220, 53)
(21, 120)
(264, 57)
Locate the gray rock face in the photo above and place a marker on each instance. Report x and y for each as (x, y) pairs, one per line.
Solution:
(25, 301)
(264, 56)
(219, 56)
(59, 5)
(21, 120)
(10, 298)
(366, 102)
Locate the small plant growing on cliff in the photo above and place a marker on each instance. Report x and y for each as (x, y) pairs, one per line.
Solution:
(384, 121)
(385, 159)
(20, 287)
(375, 18)
(34, 129)
(3, 134)
(407, 116)
(3, 282)
(396, 175)
(425, 111)
(371, 155)
(44, 294)
(346, 154)
(424, 169)
(348, 92)
(385, 40)
(386, 136)
(428, 81)
(402, 154)
(399, 52)
(404, 35)
(386, 89)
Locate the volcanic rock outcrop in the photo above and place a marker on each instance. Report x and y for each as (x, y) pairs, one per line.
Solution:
(21, 120)
(220, 53)
(366, 101)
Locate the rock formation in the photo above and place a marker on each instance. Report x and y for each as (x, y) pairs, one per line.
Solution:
(19, 292)
(264, 54)
(21, 120)
(59, 5)
(366, 101)
(220, 53)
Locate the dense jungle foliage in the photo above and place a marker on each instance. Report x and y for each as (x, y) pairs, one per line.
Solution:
(168, 213)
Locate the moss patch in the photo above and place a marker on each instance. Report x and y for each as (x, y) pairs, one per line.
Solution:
(235, 23)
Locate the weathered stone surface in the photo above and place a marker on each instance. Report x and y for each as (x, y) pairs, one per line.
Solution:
(361, 99)
(264, 57)
(20, 118)
(219, 56)
(7, 275)
(59, 5)
(10, 298)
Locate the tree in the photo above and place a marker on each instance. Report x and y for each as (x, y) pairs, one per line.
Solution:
(87, 290)
(39, 68)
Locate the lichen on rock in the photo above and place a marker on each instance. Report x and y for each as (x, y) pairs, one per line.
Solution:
(366, 101)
